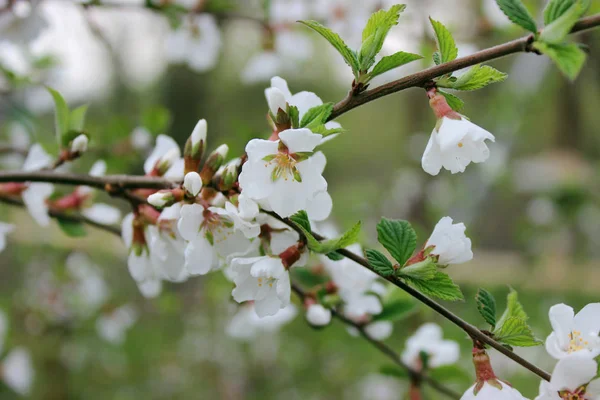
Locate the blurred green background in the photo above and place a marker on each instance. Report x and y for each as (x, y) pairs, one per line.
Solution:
(532, 211)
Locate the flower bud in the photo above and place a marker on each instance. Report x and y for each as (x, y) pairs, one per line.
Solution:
(276, 100)
(213, 163)
(161, 199)
(192, 184)
(317, 315)
(229, 175)
(79, 144)
(195, 146)
(167, 160)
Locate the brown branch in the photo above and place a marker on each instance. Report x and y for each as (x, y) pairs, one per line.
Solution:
(387, 351)
(421, 78)
(65, 216)
(471, 330)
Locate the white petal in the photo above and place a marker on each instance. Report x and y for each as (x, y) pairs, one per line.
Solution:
(318, 315)
(276, 100)
(199, 256)
(432, 157)
(305, 101)
(164, 144)
(98, 169)
(587, 320)
(562, 321)
(379, 330)
(319, 208)
(34, 198)
(103, 213)
(37, 158)
(17, 371)
(192, 183)
(572, 372)
(281, 84)
(257, 149)
(127, 230)
(190, 221)
(300, 140)
(150, 288)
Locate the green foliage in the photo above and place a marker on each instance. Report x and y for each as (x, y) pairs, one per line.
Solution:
(559, 28)
(513, 309)
(71, 228)
(379, 262)
(301, 219)
(337, 42)
(454, 101)
(396, 305)
(334, 256)
(569, 58)
(61, 115)
(440, 286)
(374, 34)
(486, 304)
(518, 14)
(349, 237)
(77, 118)
(478, 77)
(398, 237)
(556, 8)
(423, 271)
(294, 115)
(515, 332)
(393, 371)
(316, 116)
(447, 50)
(394, 61)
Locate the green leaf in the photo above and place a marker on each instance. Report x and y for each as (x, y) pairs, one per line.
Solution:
(349, 237)
(394, 61)
(486, 304)
(301, 219)
(398, 237)
(556, 8)
(513, 309)
(77, 118)
(445, 42)
(61, 114)
(477, 77)
(316, 115)
(569, 58)
(334, 256)
(375, 32)
(71, 228)
(337, 42)
(423, 271)
(454, 101)
(68, 136)
(294, 115)
(396, 305)
(379, 262)
(393, 371)
(441, 286)
(518, 14)
(557, 31)
(516, 332)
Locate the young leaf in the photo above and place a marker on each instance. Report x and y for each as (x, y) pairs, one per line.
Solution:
(477, 77)
(71, 228)
(557, 31)
(61, 117)
(423, 271)
(486, 304)
(454, 101)
(316, 115)
(569, 58)
(337, 42)
(334, 256)
(375, 32)
(294, 116)
(517, 13)
(379, 262)
(441, 286)
(77, 118)
(556, 8)
(394, 61)
(516, 332)
(393, 371)
(513, 309)
(301, 219)
(398, 237)
(349, 237)
(445, 42)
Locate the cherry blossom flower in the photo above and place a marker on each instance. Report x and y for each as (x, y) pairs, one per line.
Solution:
(247, 325)
(79, 144)
(36, 193)
(113, 326)
(281, 173)
(574, 333)
(571, 380)
(17, 371)
(450, 244)
(317, 315)
(196, 43)
(165, 159)
(455, 142)
(429, 339)
(5, 229)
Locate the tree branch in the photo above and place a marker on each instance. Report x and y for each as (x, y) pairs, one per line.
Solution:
(419, 79)
(65, 216)
(387, 351)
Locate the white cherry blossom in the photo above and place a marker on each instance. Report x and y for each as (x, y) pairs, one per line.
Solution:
(317, 315)
(574, 333)
(17, 371)
(166, 155)
(429, 339)
(571, 377)
(490, 392)
(451, 245)
(5, 229)
(36, 193)
(281, 174)
(196, 43)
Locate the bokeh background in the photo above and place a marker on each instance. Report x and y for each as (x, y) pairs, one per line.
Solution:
(532, 211)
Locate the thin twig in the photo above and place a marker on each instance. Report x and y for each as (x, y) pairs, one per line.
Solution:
(387, 351)
(421, 78)
(66, 216)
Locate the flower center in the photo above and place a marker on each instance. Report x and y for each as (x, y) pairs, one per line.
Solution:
(578, 394)
(217, 229)
(285, 166)
(266, 281)
(460, 144)
(577, 342)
